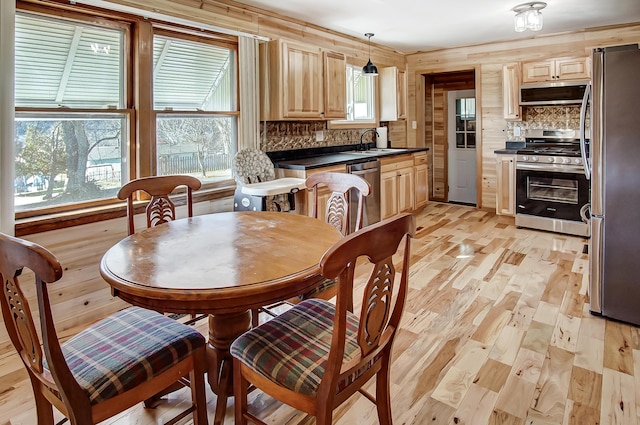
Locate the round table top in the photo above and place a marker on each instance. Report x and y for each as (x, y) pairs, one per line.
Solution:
(220, 262)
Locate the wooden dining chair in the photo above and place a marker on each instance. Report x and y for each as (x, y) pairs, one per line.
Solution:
(340, 186)
(316, 355)
(108, 367)
(337, 204)
(160, 208)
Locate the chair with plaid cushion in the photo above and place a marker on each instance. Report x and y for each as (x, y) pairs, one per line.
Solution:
(107, 368)
(316, 355)
(160, 208)
(342, 190)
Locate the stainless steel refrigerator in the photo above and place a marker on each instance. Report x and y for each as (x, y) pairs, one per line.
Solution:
(614, 165)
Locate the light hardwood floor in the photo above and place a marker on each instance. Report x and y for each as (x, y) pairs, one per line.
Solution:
(502, 337)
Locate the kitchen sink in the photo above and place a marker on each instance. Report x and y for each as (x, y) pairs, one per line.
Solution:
(378, 151)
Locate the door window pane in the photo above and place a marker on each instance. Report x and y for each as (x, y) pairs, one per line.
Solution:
(465, 123)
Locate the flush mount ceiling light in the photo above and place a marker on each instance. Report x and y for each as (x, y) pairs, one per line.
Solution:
(369, 68)
(529, 16)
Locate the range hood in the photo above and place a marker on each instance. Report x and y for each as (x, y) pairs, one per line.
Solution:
(553, 93)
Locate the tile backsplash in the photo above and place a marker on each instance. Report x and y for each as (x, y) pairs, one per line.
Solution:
(287, 135)
(547, 117)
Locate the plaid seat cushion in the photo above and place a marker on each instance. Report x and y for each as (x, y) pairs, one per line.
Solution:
(127, 349)
(326, 284)
(292, 348)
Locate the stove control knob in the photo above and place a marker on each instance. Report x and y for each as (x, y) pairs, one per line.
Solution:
(578, 161)
(566, 160)
(550, 159)
(534, 158)
(525, 158)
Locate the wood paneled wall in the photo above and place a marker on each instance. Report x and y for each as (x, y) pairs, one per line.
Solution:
(238, 17)
(487, 60)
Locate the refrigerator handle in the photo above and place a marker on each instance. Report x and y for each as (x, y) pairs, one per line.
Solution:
(583, 129)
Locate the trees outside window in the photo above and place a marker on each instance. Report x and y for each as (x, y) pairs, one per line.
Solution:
(75, 96)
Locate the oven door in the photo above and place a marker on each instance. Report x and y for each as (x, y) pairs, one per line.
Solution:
(559, 194)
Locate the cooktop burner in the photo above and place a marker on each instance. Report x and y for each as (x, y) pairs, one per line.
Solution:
(573, 150)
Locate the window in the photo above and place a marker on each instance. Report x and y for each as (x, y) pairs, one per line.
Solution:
(71, 125)
(360, 98)
(466, 123)
(75, 91)
(194, 89)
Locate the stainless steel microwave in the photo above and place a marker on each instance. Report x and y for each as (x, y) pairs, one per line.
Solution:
(553, 93)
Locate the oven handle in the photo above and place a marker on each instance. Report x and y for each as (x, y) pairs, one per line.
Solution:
(585, 212)
(558, 168)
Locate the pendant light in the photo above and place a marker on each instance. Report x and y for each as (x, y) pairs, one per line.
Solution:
(369, 68)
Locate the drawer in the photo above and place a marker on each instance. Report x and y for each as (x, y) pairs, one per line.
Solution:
(420, 159)
(396, 163)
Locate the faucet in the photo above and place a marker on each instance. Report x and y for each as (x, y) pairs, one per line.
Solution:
(361, 146)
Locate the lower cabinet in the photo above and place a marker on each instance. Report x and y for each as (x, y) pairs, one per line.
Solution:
(305, 198)
(421, 172)
(397, 188)
(506, 184)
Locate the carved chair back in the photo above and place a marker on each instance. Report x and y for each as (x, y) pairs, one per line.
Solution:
(337, 208)
(160, 208)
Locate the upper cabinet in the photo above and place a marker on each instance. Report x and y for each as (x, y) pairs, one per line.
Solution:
(393, 94)
(510, 92)
(335, 85)
(556, 70)
(300, 81)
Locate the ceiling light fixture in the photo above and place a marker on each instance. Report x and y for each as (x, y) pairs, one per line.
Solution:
(529, 16)
(369, 68)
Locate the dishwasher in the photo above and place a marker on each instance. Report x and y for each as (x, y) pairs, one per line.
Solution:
(370, 171)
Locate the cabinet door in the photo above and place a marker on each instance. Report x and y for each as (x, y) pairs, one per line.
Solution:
(393, 96)
(406, 189)
(335, 85)
(573, 69)
(510, 92)
(505, 185)
(302, 81)
(402, 95)
(421, 185)
(533, 72)
(388, 194)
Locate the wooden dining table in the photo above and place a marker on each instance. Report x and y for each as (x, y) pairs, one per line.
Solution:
(224, 265)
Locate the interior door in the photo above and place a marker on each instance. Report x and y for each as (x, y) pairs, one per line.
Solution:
(461, 137)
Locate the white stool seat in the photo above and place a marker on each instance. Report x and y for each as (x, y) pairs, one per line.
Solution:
(274, 187)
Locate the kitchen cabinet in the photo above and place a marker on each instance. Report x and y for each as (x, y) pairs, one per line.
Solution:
(397, 185)
(300, 81)
(556, 70)
(506, 184)
(335, 85)
(511, 92)
(305, 198)
(393, 94)
(421, 173)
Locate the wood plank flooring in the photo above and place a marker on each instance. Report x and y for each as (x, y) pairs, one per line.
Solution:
(501, 337)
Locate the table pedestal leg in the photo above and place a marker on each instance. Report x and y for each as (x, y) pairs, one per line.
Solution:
(223, 330)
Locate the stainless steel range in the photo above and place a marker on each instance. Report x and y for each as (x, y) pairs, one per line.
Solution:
(552, 191)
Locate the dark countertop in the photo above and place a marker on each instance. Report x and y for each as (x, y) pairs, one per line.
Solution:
(306, 159)
(506, 151)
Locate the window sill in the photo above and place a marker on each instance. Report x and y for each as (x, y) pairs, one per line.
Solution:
(44, 223)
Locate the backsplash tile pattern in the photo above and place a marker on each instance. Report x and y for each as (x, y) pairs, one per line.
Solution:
(287, 135)
(547, 117)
